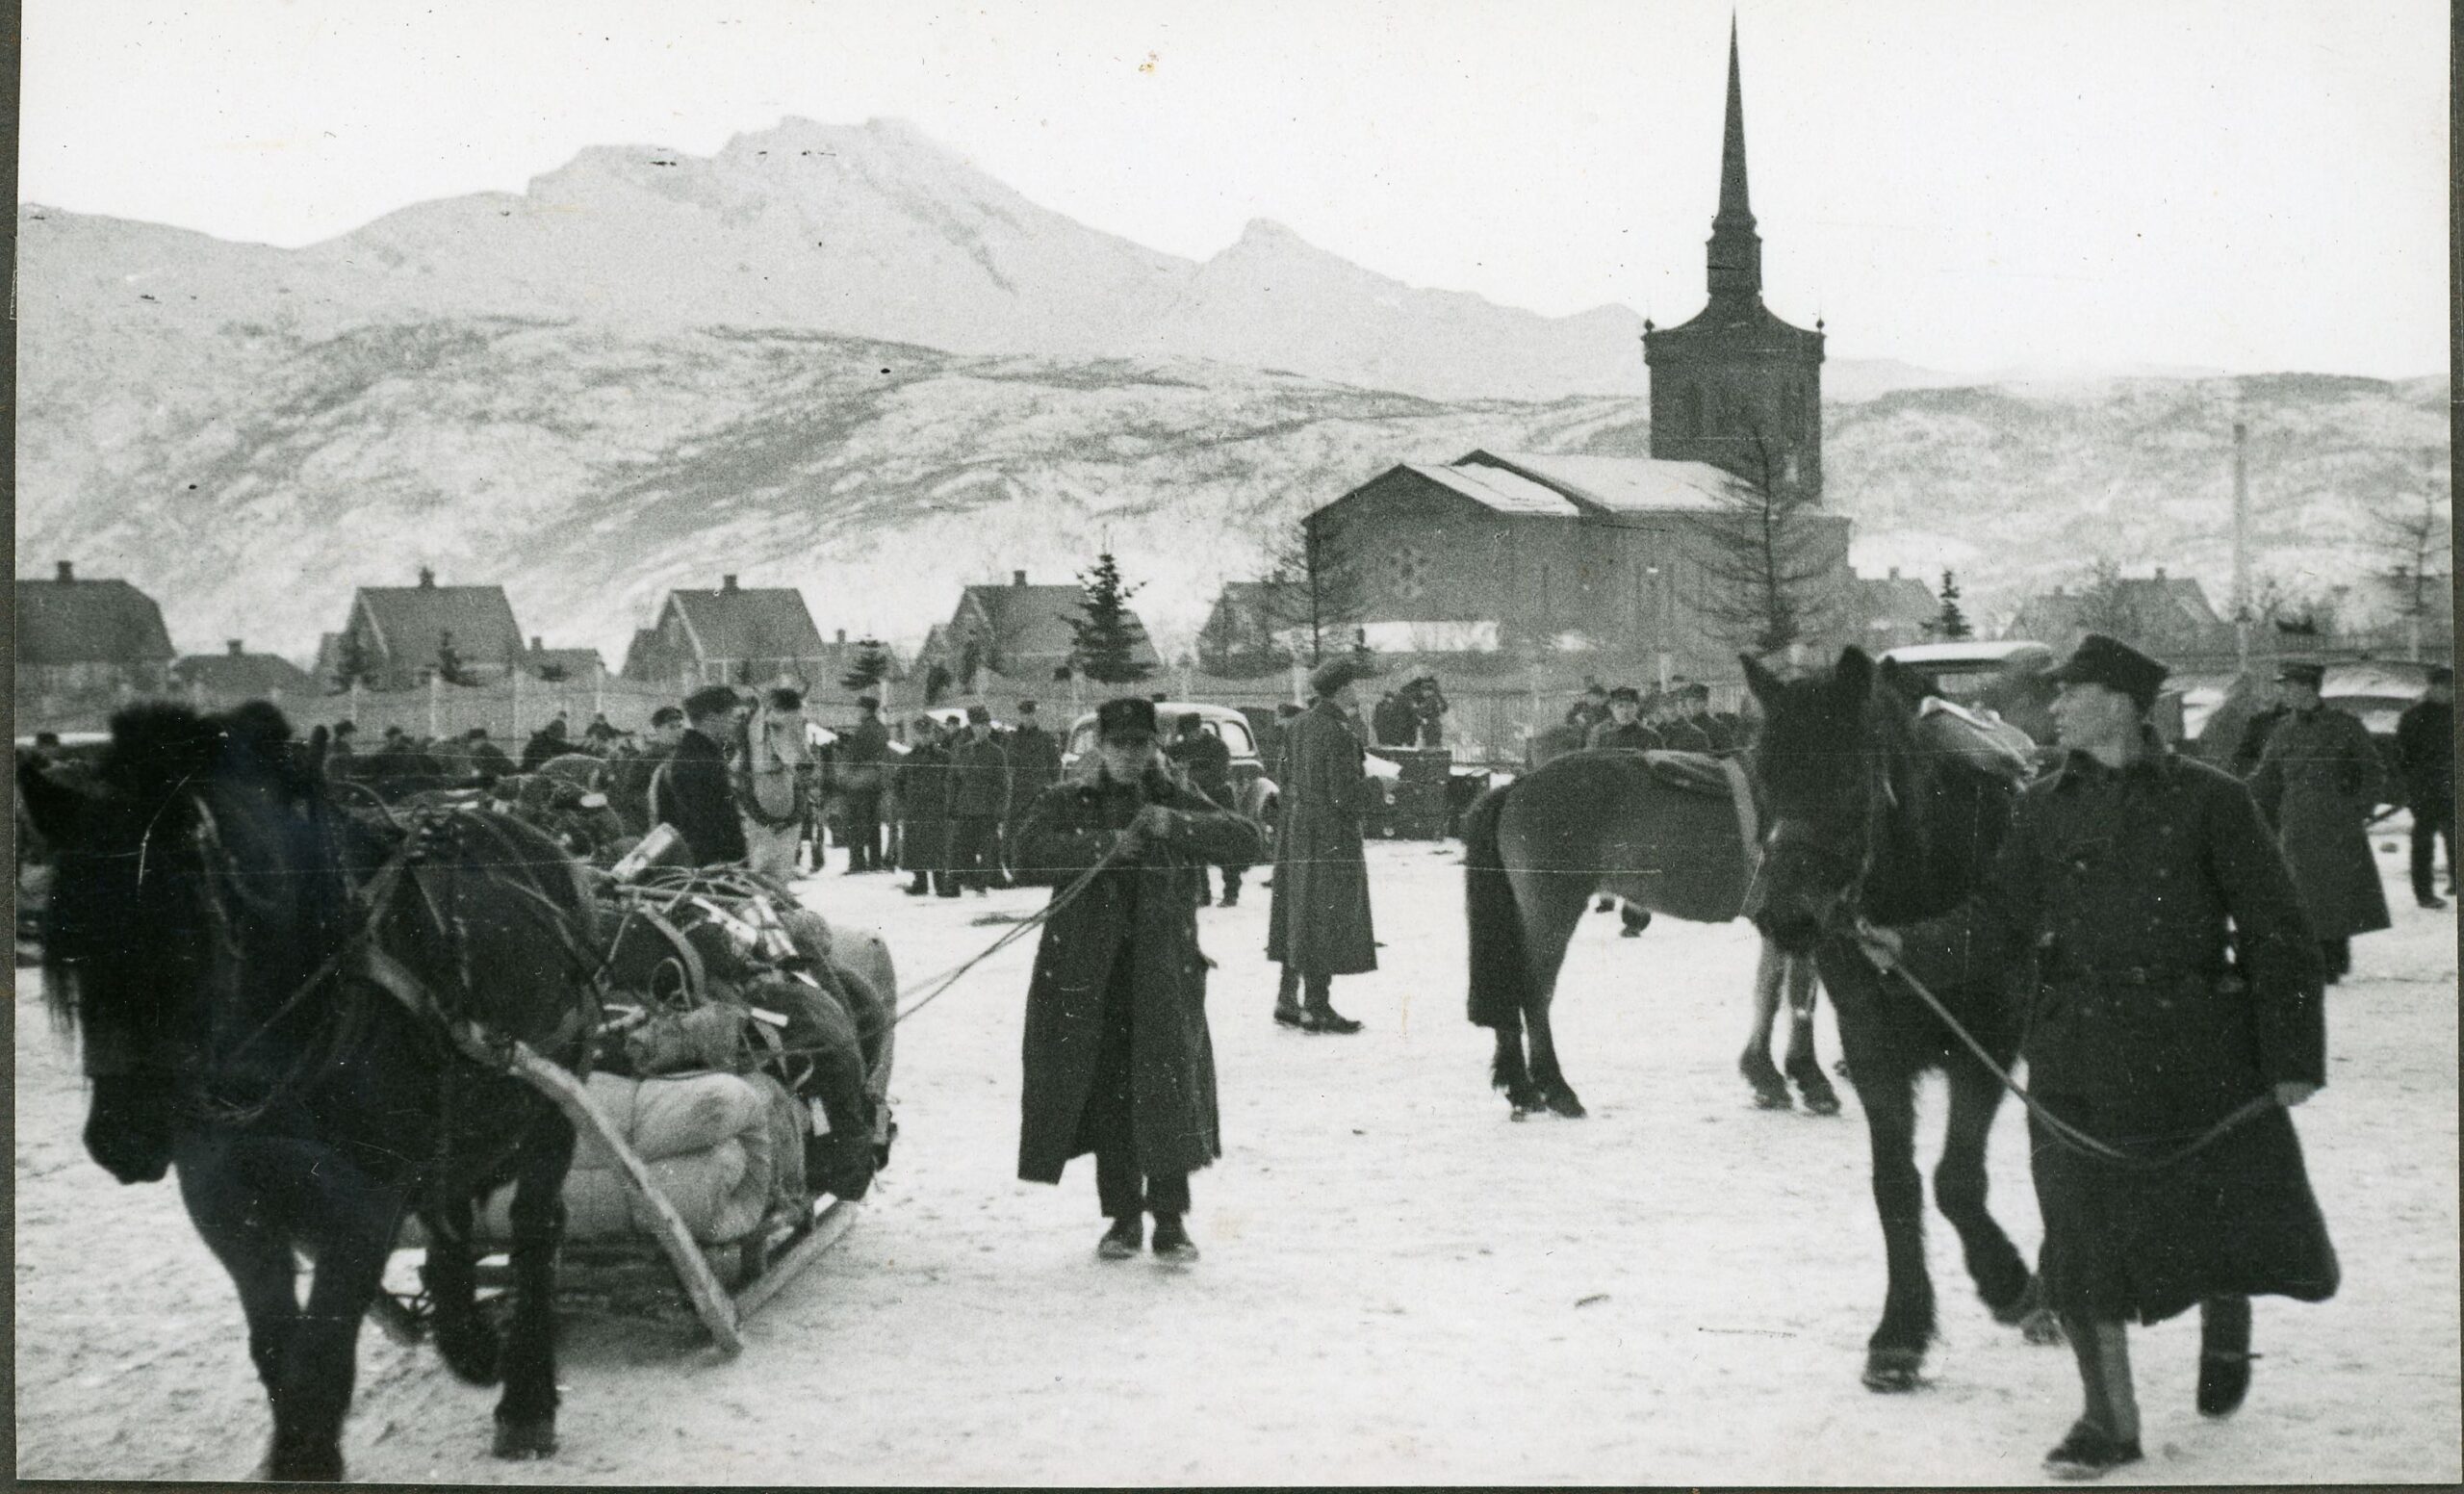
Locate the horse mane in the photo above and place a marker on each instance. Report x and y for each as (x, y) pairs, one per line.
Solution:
(128, 932)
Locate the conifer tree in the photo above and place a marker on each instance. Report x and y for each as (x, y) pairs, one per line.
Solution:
(1950, 624)
(351, 663)
(870, 668)
(1106, 633)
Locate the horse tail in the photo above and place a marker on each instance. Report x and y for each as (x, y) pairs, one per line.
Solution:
(1501, 984)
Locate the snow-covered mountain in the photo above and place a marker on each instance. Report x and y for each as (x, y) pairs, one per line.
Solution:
(845, 358)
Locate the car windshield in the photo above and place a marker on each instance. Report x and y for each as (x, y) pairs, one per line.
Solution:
(1963, 685)
(1234, 732)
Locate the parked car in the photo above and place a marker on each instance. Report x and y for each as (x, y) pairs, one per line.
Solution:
(1256, 791)
(2379, 691)
(2007, 677)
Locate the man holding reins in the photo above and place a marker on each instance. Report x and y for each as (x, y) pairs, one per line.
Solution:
(2176, 1015)
(1118, 1061)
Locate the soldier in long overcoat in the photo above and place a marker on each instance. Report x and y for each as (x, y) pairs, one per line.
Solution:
(2318, 780)
(1318, 926)
(2176, 996)
(979, 801)
(922, 786)
(1035, 765)
(1117, 1058)
(1206, 762)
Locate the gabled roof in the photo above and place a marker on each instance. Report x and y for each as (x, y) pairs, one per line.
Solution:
(1622, 484)
(246, 676)
(748, 622)
(1496, 487)
(90, 622)
(1033, 621)
(637, 651)
(1898, 598)
(410, 620)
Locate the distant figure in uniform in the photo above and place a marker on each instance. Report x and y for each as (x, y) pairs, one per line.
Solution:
(1623, 727)
(863, 774)
(2425, 741)
(1694, 705)
(695, 795)
(2253, 742)
(922, 785)
(342, 752)
(1201, 756)
(1392, 721)
(1624, 732)
(487, 759)
(2318, 781)
(1318, 926)
(600, 734)
(1591, 708)
(1428, 706)
(630, 792)
(979, 799)
(1035, 765)
(549, 742)
(2176, 989)
(1668, 718)
(1117, 1058)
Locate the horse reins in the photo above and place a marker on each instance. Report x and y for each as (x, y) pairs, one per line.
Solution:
(1889, 962)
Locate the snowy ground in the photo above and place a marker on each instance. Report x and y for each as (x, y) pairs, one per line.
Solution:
(1398, 1285)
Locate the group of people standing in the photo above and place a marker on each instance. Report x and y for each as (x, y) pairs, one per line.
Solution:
(1676, 719)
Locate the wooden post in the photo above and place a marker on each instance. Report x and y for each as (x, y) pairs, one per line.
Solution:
(435, 693)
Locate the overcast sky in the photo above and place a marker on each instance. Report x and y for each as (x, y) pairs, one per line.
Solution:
(2247, 183)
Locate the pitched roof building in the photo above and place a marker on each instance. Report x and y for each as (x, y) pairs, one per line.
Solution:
(1887, 612)
(402, 634)
(732, 635)
(233, 675)
(1018, 631)
(578, 665)
(2167, 615)
(86, 644)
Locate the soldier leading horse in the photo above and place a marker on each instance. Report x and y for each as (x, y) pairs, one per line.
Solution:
(268, 991)
(1858, 791)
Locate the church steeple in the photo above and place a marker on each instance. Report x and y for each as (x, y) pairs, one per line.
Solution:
(1736, 250)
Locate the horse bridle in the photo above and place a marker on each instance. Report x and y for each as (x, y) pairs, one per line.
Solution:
(1880, 797)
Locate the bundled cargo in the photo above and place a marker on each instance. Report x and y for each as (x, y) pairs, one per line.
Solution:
(716, 971)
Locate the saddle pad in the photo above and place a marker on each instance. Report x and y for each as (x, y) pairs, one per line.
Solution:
(1979, 737)
(1691, 772)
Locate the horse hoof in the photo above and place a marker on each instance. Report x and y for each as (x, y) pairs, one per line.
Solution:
(1772, 1099)
(1566, 1105)
(1822, 1104)
(1892, 1371)
(1519, 1114)
(526, 1441)
(2043, 1329)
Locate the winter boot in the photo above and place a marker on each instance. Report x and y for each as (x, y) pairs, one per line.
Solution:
(1173, 1245)
(2224, 1354)
(1125, 1238)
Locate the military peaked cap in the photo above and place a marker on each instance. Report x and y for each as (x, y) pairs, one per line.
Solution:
(1127, 717)
(1336, 673)
(2113, 664)
(2311, 675)
(979, 714)
(1626, 692)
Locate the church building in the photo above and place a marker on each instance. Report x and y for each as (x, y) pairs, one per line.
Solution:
(1648, 558)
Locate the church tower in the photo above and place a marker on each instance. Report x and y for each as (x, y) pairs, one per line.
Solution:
(1736, 386)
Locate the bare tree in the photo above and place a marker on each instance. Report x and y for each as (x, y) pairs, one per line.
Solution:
(2107, 605)
(2415, 536)
(1316, 588)
(1771, 573)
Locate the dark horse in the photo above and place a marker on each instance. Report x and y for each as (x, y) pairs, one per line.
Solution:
(1884, 815)
(1624, 823)
(266, 991)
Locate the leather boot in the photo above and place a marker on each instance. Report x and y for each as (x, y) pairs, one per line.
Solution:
(2224, 1354)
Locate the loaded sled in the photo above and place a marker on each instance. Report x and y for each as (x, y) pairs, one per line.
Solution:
(736, 1111)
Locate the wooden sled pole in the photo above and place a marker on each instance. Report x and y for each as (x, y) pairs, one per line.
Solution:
(710, 1301)
(825, 1231)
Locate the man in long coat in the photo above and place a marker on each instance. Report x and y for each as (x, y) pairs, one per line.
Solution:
(1624, 730)
(2318, 781)
(979, 800)
(1117, 1058)
(2177, 997)
(1318, 926)
(862, 775)
(922, 785)
(1035, 765)
(693, 792)
(1207, 763)
(2425, 740)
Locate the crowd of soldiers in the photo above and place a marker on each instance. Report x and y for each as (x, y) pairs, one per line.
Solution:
(1676, 719)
